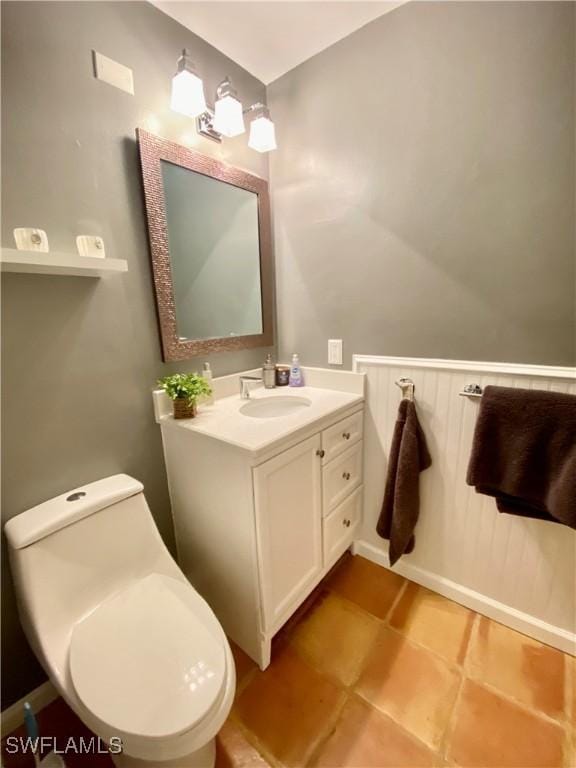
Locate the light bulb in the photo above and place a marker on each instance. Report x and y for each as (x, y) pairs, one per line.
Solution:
(187, 89)
(262, 131)
(228, 117)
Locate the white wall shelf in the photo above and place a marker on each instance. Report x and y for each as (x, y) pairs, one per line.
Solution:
(53, 263)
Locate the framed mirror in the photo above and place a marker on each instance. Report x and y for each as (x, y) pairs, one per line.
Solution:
(210, 244)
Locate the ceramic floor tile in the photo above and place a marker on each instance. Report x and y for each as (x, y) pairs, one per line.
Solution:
(368, 585)
(243, 662)
(492, 732)
(233, 750)
(570, 749)
(289, 707)
(297, 617)
(364, 738)
(411, 685)
(526, 670)
(571, 661)
(336, 637)
(430, 619)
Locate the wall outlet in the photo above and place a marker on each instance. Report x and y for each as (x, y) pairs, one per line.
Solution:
(113, 73)
(335, 351)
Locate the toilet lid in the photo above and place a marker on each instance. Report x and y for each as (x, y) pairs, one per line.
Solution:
(148, 662)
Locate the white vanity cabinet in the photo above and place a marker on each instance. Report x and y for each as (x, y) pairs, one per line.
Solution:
(257, 530)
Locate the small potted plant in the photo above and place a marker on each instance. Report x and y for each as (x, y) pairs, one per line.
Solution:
(184, 389)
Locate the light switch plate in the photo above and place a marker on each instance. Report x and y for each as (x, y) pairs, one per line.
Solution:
(113, 73)
(334, 351)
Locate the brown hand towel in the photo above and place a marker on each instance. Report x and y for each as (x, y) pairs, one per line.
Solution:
(408, 457)
(524, 453)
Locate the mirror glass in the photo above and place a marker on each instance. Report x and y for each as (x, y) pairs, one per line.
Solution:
(213, 240)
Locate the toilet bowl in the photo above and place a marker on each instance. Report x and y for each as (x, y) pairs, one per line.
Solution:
(135, 651)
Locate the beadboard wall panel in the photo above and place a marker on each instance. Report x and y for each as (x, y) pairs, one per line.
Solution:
(519, 571)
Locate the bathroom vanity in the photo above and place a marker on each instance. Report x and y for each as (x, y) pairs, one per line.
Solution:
(266, 495)
(266, 491)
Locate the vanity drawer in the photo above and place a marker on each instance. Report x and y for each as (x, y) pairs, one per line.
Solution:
(340, 477)
(340, 527)
(336, 439)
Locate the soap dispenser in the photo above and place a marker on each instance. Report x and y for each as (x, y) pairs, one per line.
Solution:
(296, 375)
(269, 373)
(207, 374)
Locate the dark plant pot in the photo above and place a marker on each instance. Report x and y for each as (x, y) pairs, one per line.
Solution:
(183, 409)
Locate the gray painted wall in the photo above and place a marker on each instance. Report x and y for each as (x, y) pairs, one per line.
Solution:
(80, 356)
(423, 192)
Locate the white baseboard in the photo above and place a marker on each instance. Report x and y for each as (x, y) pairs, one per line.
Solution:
(13, 716)
(504, 614)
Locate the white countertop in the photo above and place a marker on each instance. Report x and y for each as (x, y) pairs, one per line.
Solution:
(224, 421)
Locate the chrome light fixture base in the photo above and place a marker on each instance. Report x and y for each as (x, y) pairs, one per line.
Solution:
(205, 126)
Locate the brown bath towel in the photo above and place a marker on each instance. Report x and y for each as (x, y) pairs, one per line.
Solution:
(408, 457)
(524, 453)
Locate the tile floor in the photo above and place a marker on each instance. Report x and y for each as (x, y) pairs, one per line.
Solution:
(375, 671)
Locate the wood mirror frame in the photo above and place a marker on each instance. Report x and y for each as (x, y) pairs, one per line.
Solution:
(153, 150)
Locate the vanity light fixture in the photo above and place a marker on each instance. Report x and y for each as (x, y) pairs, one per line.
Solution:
(187, 89)
(228, 117)
(262, 131)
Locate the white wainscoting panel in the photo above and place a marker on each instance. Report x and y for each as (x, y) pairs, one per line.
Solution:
(519, 571)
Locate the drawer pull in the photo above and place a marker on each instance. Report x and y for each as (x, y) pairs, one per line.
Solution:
(346, 435)
(321, 452)
(346, 475)
(346, 523)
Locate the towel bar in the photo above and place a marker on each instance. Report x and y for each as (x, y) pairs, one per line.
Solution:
(471, 390)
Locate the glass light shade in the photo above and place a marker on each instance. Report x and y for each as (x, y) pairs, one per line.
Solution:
(188, 94)
(228, 118)
(262, 134)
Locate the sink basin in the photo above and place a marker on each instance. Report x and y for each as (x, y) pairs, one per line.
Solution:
(273, 407)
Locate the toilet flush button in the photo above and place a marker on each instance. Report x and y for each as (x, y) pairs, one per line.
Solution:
(76, 496)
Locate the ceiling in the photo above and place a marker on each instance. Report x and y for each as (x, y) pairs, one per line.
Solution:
(270, 37)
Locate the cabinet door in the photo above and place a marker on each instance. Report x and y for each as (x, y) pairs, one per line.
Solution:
(288, 528)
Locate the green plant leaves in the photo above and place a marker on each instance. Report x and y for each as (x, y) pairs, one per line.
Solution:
(189, 386)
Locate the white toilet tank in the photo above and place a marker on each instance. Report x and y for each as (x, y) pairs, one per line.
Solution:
(72, 552)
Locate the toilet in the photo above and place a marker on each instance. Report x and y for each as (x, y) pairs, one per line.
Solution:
(134, 650)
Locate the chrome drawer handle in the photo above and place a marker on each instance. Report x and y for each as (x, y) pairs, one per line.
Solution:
(346, 435)
(346, 475)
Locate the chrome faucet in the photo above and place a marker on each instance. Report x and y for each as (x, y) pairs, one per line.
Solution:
(245, 382)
